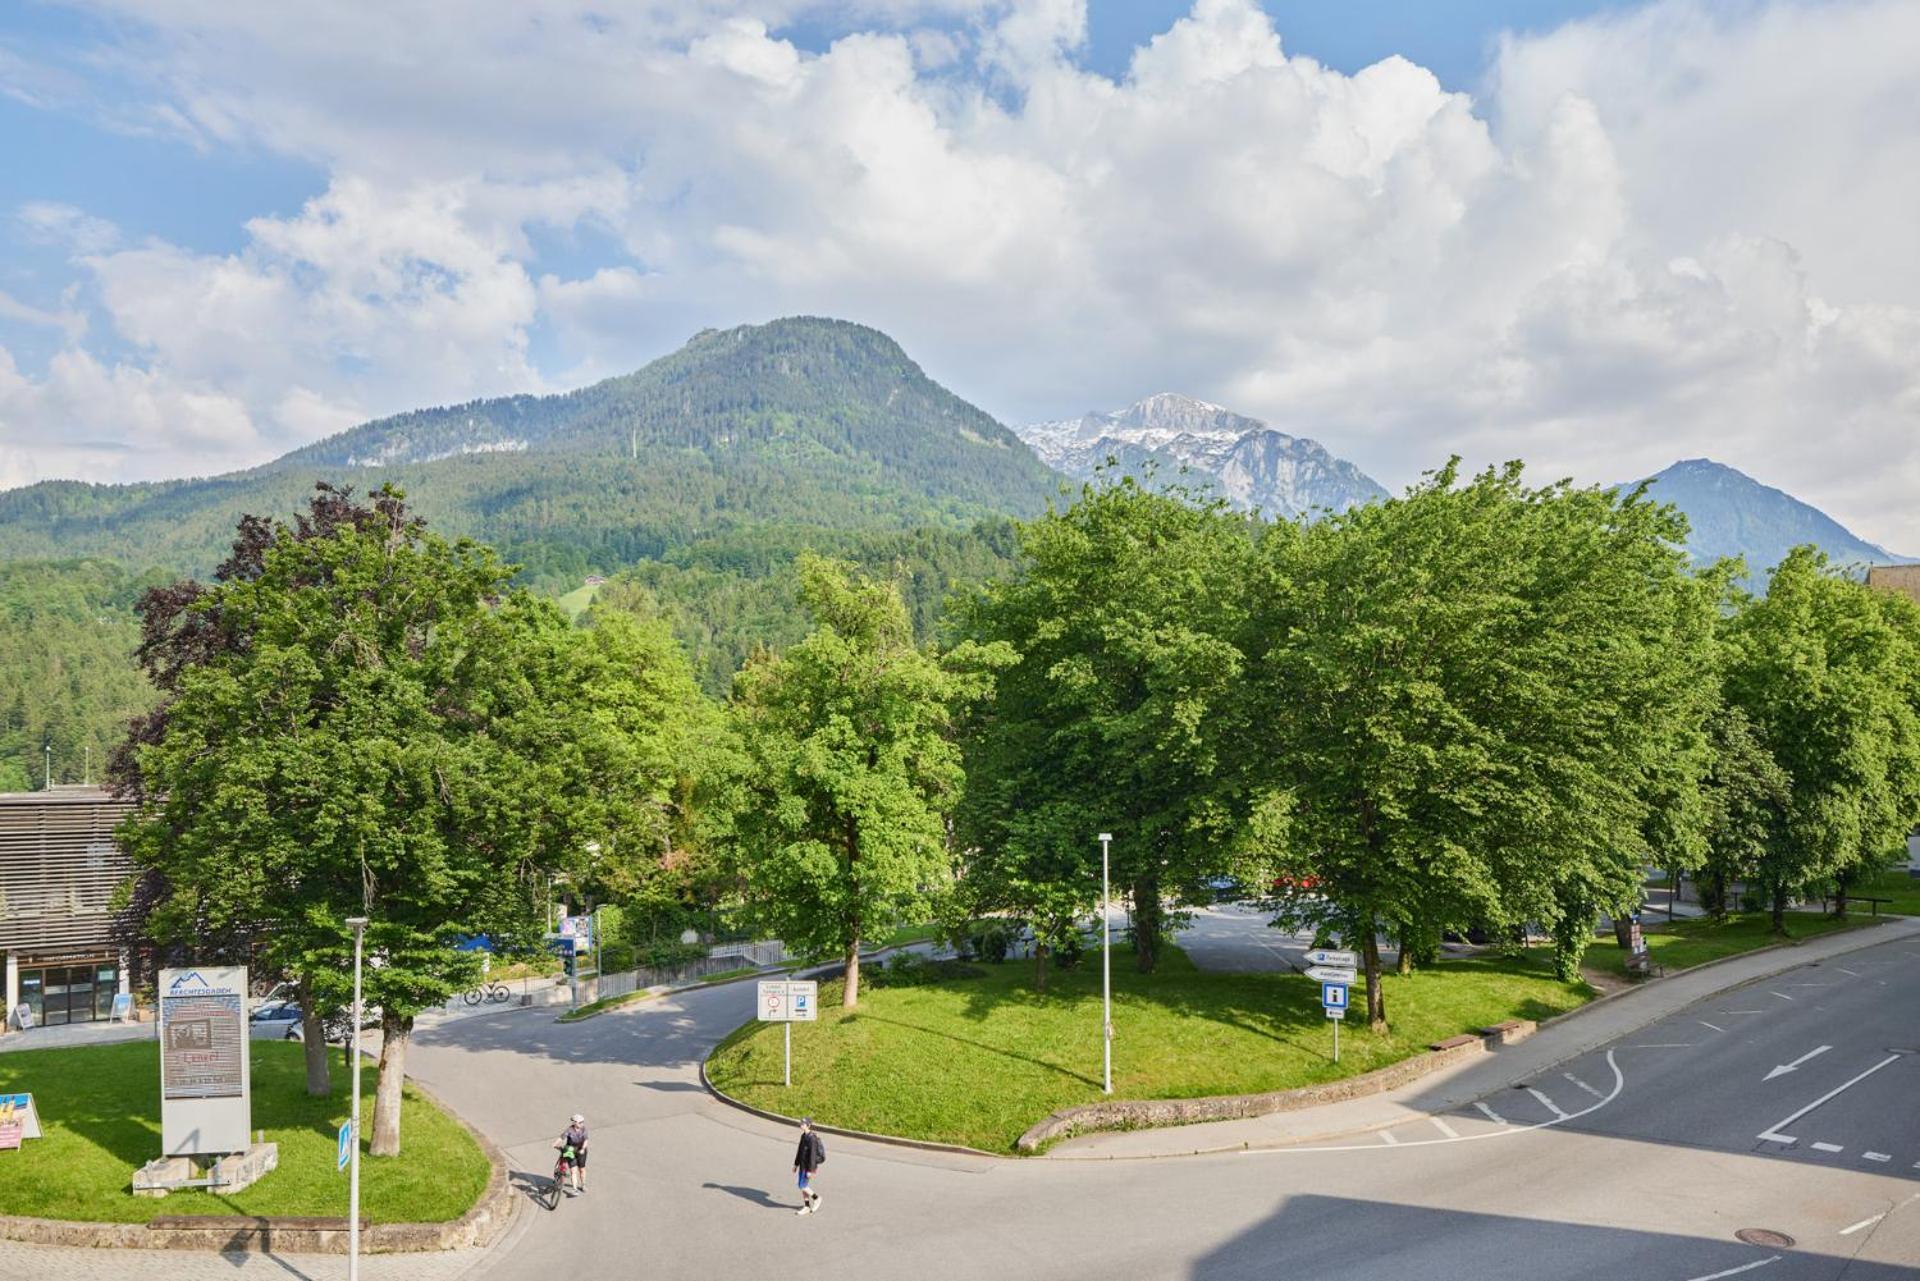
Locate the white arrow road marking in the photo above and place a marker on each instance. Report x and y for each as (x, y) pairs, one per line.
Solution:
(1785, 1068)
(1864, 1223)
(1774, 1133)
(1745, 1267)
(1551, 1105)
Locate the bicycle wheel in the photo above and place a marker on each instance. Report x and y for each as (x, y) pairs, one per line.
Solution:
(473, 996)
(499, 993)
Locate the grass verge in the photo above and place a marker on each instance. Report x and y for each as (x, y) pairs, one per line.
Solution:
(100, 1110)
(976, 1061)
(1892, 883)
(1687, 943)
(606, 1003)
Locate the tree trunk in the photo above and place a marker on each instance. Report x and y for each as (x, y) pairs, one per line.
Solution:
(1406, 953)
(1147, 923)
(1622, 931)
(1713, 893)
(313, 1028)
(1376, 999)
(1039, 966)
(1780, 911)
(850, 994)
(395, 1032)
(1840, 894)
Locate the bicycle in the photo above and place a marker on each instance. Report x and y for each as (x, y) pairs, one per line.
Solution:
(556, 1186)
(493, 992)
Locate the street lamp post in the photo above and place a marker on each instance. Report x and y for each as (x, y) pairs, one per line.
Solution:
(358, 924)
(1106, 965)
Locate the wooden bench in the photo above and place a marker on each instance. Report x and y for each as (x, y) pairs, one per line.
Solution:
(1641, 965)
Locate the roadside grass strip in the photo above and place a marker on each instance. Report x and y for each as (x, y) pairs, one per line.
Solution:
(1685, 944)
(100, 1109)
(976, 1061)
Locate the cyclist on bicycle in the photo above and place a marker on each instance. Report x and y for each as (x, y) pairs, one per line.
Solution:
(572, 1144)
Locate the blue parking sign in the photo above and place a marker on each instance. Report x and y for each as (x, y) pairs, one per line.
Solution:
(346, 1145)
(1333, 996)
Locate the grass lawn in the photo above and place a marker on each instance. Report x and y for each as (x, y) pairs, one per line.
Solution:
(575, 602)
(1687, 943)
(976, 1061)
(905, 935)
(100, 1111)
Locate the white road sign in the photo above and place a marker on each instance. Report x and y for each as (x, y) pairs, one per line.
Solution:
(789, 1001)
(1330, 974)
(1339, 1013)
(1320, 956)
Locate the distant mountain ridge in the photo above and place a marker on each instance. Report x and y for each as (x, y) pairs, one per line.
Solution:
(798, 423)
(1731, 514)
(1242, 459)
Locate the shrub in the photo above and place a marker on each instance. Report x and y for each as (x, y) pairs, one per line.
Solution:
(667, 956)
(1067, 955)
(616, 958)
(908, 969)
(992, 939)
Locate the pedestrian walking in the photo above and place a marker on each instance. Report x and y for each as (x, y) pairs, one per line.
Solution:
(807, 1160)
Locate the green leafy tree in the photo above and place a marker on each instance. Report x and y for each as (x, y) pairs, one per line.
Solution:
(359, 718)
(1825, 669)
(1746, 795)
(1464, 693)
(1120, 715)
(851, 768)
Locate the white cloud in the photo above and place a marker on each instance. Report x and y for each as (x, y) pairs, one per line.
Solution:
(1678, 230)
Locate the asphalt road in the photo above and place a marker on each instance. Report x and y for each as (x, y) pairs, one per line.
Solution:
(1641, 1159)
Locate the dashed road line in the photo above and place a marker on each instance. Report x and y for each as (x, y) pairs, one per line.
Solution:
(1715, 1026)
(1844, 970)
(1782, 995)
(1386, 1136)
(1734, 1272)
(1743, 1011)
(1818, 1147)
(1864, 1223)
(1865, 1156)
(1551, 1106)
(1444, 1128)
(1497, 1119)
(1583, 1085)
(1663, 1045)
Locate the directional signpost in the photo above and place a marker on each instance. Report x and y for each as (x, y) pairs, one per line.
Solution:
(1334, 971)
(345, 1141)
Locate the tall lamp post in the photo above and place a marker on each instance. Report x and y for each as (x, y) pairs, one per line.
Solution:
(1106, 964)
(358, 924)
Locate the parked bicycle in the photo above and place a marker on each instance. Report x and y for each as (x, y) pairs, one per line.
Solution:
(491, 992)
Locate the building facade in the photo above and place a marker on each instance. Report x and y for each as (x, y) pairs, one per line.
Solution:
(1904, 579)
(59, 868)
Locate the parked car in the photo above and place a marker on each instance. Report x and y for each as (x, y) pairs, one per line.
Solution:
(1226, 889)
(275, 1021)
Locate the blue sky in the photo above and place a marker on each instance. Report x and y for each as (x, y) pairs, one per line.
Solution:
(1632, 232)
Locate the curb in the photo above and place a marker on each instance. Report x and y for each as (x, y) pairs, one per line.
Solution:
(479, 1227)
(894, 1140)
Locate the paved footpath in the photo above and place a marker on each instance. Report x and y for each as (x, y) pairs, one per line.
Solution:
(20, 1262)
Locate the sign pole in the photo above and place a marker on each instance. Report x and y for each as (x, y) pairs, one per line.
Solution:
(1106, 966)
(359, 925)
(1336, 1040)
(789, 1077)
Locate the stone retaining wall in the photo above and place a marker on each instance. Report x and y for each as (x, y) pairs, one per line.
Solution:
(1142, 1114)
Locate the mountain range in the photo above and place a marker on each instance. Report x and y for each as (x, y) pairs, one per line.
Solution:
(1731, 514)
(1210, 449)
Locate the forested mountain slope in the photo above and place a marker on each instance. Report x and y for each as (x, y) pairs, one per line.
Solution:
(799, 422)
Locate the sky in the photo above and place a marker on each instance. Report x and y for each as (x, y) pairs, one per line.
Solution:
(1595, 236)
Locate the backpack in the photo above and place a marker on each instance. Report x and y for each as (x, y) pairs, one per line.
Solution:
(819, 1149)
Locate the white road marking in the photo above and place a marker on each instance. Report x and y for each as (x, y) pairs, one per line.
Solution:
(1444, 1128)
(1619, 1084)
(1870, 1156)
(1864, 1223)
(1663, 1045)
(1785, 1068)
(1774, 1131)
(1715, 1026)
(1745, 1267)
(1782, 995)
(1828, 1147)
(1550, 1104)
(1743, 1011)
(1583, 1085)
(1497, 1119)
(1386, 1136)
(1844, 970)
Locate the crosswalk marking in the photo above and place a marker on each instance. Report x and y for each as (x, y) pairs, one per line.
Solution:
(1818, 1147)
(1877, 1156)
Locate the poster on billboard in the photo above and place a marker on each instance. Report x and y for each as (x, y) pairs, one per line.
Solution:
(204, 1081)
